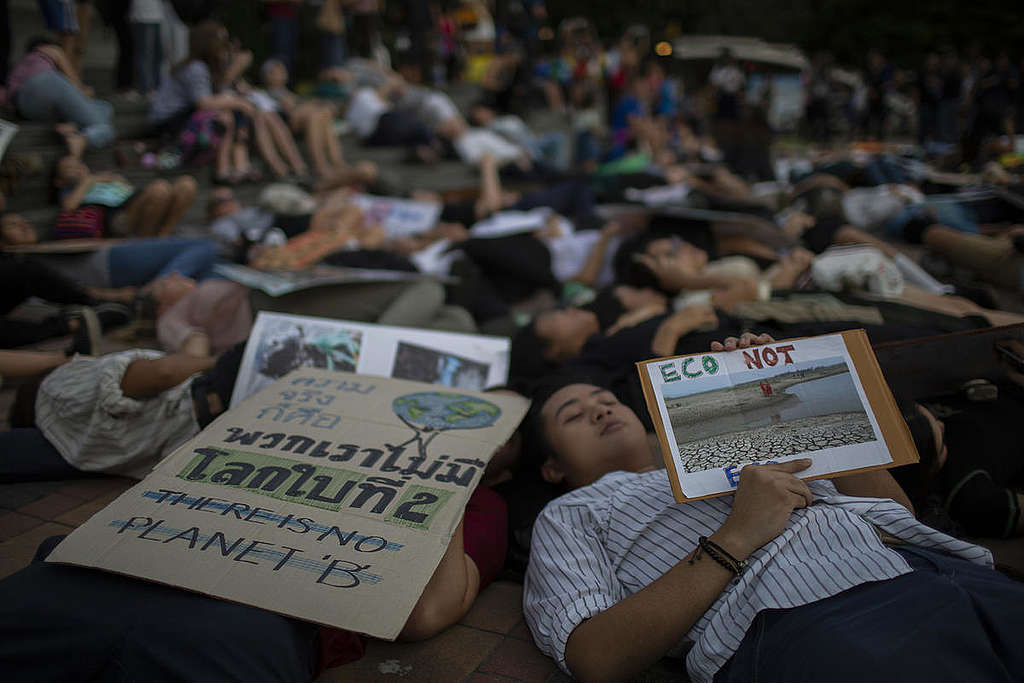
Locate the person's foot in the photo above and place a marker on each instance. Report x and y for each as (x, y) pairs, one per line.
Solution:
(74, 140)
(87, 333)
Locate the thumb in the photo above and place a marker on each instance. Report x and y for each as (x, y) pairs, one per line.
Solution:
(791, 466)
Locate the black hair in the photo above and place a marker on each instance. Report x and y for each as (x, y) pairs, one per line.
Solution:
(528, 354)
(629, 271)
(607, 307)
(916, 479)
(913, 229)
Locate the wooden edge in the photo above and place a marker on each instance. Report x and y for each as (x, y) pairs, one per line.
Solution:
(659, 428)
(894, 430)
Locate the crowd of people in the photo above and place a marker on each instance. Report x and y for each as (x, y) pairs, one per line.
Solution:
(655, 218)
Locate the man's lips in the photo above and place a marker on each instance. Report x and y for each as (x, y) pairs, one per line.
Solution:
(611, 427)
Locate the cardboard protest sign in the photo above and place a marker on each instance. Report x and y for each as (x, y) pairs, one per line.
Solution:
(822, 398)
(327, 497)
(279, 343)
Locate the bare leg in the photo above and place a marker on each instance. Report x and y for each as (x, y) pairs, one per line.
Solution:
(282, 137)
(240, 157)
(223, 163)
(316, 142)
(75, 141)
(490, 188)
(265, 146)
(955, 305)
(183, 191)
(333, 146)
(992, 258)
(122, 294)
(142, 217)
(69, 44)
(851, 235)
(362, 172)
(29, 363)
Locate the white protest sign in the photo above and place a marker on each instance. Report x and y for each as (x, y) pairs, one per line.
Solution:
(326, 497)
(279, 343)
(823, 398)
(399, 217)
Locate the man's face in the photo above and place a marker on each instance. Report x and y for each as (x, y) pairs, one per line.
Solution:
(566, 330)
(690, 258)
(591, 434)
(16, 230)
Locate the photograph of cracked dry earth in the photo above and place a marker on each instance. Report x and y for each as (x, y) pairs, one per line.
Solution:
(807, 406)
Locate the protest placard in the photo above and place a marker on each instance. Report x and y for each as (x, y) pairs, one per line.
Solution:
(280, 282)
(279, 343)
(822, 398)
(327, 497)
(398, 217)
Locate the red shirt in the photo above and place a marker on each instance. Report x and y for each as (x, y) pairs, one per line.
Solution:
(485, 540)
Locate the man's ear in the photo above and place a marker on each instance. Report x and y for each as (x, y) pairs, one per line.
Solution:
(552, 472)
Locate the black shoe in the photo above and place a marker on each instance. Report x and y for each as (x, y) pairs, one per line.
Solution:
(87, 337)
(113, 315)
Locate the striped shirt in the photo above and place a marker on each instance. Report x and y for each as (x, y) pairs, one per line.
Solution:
(600, 544)
(81, 410)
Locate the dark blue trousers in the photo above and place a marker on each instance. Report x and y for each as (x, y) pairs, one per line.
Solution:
(61, 623)
(948, 620)
(26, 455)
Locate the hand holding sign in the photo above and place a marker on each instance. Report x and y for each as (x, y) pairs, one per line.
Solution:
(765, 499)
(746, 340)
(750, 399)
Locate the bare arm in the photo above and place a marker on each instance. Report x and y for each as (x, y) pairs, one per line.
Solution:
(29, 363)
(630, 636)
(73, 199)
(226, 102)
(873, 484)
(738, 291)
(490, 188)
(595, 259)
(238, 65)
(146, 378)
(678, 324)
(449, 593)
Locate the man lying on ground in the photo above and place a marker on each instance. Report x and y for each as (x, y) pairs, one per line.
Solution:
(783, 581)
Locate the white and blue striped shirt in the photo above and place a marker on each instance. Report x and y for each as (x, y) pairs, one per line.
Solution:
(597, 545)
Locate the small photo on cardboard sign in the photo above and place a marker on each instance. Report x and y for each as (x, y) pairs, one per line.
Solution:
(821, 398)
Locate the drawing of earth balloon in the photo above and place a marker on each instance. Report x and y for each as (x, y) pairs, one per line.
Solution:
(429, 413)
